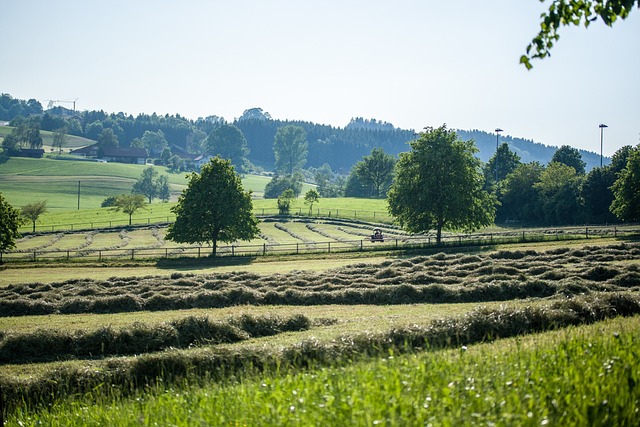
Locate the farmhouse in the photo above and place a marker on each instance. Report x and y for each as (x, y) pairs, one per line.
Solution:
(35, 153)
(88, 151)
(126, 155)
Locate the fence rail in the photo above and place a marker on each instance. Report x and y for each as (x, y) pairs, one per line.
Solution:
(423, 241)
(375, 216)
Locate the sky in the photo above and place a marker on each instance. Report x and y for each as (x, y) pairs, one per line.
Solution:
(412, 63)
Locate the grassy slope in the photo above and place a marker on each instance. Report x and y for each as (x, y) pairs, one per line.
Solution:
(72, 142)
(25, 181)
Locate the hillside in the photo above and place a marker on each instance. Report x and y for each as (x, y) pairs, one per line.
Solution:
(340, 147)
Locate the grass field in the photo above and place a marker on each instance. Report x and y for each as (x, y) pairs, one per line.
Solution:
(526, 334)
(72, 141)
(343, 349)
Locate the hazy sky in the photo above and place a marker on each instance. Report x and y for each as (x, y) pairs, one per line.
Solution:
(409, 62)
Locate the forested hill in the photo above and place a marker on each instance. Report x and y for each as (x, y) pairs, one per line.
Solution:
(528, 150)
(340, 147)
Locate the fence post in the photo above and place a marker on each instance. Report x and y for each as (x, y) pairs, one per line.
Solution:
(166, 252)
(297, 248)
(523, 235)
(99, 255)
(329, 247)
(67, 255)
(34, 255)
(132, 250)
(615, 231)
(264, 249)
(586, 232)
(198, 251)
(361, 244)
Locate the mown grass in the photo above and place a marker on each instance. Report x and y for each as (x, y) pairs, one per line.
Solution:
(439, 278)
(72, 141)
(584, 378)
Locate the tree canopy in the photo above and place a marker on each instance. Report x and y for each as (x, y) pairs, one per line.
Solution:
(10, 221)
(626, 189)
(151, 185)
(372, 176)
(571, 157)
(129, 204)
(214, 208)
(228, 142)
(438, 185)
(290, 149)
(32, 211)
(502, 163)
(573, 13)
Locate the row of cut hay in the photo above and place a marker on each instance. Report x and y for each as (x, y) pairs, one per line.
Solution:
(440, 278)
(48, 344)
(211, 363)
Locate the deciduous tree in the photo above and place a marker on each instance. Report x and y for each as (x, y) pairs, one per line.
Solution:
(290, 149)
(32, 211)
(573, 13)
(372, 176)
(502, 163)
(214, 208)
(571, 157)
(10, 221)
(228, 142)
(558, 192)
(310, 198)
(518, 198)
(129, 204)
(438, 184)
(626, 189)
(151, 184)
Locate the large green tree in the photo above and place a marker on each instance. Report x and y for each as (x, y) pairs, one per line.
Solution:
(10, 221)
(151, 184)
(569, 156)
(518, 198)
(290, 149)
(438, 185)
(154, 142)
(573, 13)
(626, 189)
(502, 163)
(129, 204)
(214, 208)
(228, 142)
(558, 192)
(372, 176)
(33, 211)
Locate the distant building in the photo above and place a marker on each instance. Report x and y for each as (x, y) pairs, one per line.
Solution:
(35, 153)
(88, 151)
(126, 155)
(201, 160)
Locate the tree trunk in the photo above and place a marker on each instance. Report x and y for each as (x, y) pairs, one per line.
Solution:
(130, 215)
(439, 232)
(34, 226)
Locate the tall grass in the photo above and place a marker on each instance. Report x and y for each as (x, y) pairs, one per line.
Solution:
(581, 376)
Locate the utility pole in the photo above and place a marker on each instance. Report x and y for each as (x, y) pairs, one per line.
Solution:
(601, 126)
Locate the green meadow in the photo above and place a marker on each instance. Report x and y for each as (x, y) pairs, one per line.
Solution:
(527, 334)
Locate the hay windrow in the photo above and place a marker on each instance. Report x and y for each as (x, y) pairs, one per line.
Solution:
(457, 278)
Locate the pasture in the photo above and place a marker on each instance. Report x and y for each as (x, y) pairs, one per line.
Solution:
(498, 334)
(220, 336)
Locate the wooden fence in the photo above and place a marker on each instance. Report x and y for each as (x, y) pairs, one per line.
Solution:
(332, 246)
(374, 216)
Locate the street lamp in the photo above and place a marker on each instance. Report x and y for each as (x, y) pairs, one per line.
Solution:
(498, 130)
(601, 126)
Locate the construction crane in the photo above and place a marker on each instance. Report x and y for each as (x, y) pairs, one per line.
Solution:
(53, 101)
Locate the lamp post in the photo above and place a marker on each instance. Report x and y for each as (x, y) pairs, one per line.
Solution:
(498, 130)
(601, 126)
